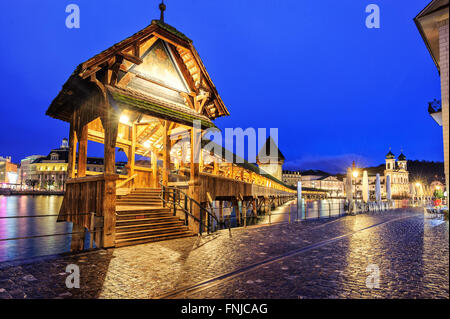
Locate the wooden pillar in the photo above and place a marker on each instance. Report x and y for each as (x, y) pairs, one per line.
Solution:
(154, 160)
(82, 152)
(72, 151)
(132, 150)
(237, 211)
(254, 206)
(110, 125)
(166, 154)
(194, 187)
(221, 211)
(77, 242)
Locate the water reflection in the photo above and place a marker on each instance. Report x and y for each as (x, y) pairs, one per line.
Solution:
(21, 227)
(309, 209)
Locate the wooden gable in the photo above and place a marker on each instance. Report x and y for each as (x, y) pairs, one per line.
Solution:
(129, 67)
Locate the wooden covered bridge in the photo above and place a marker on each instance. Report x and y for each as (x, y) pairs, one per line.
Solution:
(142, 96)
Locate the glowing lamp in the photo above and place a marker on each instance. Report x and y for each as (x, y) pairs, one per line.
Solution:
(124, 119)
(355, 174)
(147, 144)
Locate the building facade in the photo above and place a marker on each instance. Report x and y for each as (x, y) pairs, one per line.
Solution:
(25, 170)
(331, 184)
(8, 172)
(50, 172)
(291, 177)
(432, 23)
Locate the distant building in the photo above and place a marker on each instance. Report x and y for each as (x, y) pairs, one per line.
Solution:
(399, 175)
(331, 184)
(270, 159)
(8, 171)
(50, 172)
(398, 172)
(25, 170)
(432, 23)
(291, 177)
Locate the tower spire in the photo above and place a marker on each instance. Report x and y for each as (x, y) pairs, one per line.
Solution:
(162, 7)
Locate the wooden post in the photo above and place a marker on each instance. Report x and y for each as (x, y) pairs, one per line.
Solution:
(237, 211)
(82, 152)
(254, 206)
(221, 211)
(154, 160)
(110, 125)
(77, 243)
(194, 187)
(166, 154)
(72, 151)
(132, 150)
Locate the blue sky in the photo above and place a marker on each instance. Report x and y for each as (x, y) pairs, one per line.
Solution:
(336, 90)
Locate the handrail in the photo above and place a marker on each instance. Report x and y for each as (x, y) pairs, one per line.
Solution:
(119, 185)
(173, 190)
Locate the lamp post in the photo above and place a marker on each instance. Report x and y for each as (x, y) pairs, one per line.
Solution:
(419, 191)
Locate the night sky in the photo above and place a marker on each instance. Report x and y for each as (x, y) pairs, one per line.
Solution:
(336, 90)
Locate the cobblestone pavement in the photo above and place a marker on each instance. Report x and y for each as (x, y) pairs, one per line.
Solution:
(313, 259)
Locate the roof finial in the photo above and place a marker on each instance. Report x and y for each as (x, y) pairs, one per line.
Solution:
(162, 7)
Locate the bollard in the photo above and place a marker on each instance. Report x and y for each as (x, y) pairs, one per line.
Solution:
(290, 208)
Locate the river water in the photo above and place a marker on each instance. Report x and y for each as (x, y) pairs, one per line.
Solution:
(14, 206)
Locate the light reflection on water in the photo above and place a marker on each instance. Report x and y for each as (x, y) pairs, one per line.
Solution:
(309, 210)
(22, 227)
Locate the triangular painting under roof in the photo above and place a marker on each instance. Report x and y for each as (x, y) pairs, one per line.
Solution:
(159, 66)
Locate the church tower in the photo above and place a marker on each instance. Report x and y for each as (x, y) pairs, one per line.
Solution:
(390, 161)
(402, 162)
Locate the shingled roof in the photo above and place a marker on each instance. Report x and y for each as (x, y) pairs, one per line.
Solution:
(265, 151)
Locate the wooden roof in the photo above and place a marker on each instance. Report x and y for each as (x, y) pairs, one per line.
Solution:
(265, 151)
(106, 66)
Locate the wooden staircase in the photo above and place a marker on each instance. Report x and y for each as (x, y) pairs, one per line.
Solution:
(141, 218)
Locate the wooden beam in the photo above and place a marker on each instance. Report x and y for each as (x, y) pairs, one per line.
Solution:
(72, 150)
(132, 58)
(132, 150)
(82, 152)
(166, 154)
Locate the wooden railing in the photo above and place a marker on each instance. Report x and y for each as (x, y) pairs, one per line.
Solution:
(87, 195)
(220, 186)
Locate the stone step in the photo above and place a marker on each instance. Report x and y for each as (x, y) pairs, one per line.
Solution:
(135, 228)
(155, 209)
(123, 202)
(148, 239)
(149, 217)
(140, 196)
(150, 232)
(152, 219)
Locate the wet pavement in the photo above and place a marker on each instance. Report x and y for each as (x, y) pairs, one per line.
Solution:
(395, 254)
